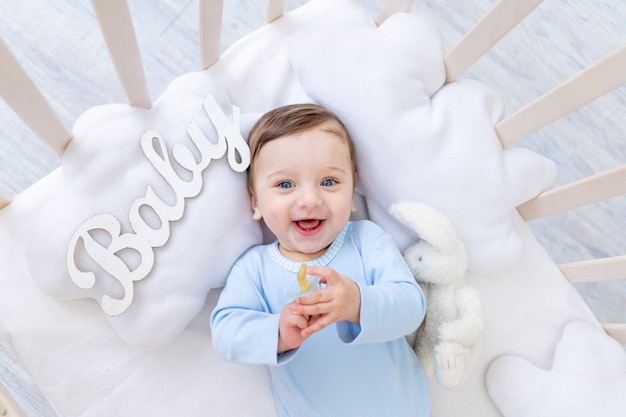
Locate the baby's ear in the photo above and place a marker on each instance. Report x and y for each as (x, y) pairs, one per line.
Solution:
(256, 213)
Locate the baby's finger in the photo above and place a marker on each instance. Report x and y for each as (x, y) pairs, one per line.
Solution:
(319, 296)
(328, 275)
(296, 319)
(316, 324)
(314, 309)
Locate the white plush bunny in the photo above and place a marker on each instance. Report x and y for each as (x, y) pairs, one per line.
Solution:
(447, 340)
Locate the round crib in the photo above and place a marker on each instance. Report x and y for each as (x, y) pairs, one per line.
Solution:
(554, 299)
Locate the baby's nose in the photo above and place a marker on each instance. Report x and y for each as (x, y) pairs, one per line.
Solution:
(309, 197)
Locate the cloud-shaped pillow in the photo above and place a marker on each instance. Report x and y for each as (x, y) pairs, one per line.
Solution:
(587, 378)
(417, 139)
(153, 212)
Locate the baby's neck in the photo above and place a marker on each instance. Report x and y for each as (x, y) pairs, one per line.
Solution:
(300, 256)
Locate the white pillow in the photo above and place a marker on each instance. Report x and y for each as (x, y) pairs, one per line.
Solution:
(417, 139)
(170, 235)
(587, 378)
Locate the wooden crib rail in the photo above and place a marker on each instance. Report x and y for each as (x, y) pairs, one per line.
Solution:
(597, 80)
(594, 270)
(274, 10)
(502, 17)
(595, 188)
(119, 35)
(210, 22)
(390, 7)
(21, 94)
(589, 190)
(602, 269)
(4, 200)
(616, 330)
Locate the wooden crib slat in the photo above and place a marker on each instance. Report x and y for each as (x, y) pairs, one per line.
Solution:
(21, 94)
(4, 201)
(616, 330)
(211, 12)
(502, 17)
(392, 6)
(119, 36)
(589, 190)
(8, 405)
(603, 269)
(595, 81)
(274, 10)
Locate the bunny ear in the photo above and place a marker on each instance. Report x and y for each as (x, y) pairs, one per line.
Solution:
(406, 212)
(428, 223)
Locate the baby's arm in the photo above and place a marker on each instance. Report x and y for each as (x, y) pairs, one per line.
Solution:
(243, 328)
(339, 301)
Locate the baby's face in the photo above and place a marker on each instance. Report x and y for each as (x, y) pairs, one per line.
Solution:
(303, 189)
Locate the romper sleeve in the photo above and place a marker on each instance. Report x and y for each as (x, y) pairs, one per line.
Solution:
(392, 303)
(242, 327)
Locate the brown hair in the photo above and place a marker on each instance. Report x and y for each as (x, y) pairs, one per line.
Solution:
(291, 119)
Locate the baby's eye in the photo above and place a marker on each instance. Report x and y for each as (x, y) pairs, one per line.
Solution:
(285, 184)
(328, 182)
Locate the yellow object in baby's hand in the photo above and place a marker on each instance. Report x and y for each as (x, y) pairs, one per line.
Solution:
(305, 285)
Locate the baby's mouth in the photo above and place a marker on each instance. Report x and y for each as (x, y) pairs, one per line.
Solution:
(308, 226)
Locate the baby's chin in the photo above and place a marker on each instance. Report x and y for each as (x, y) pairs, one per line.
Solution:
(302, 253)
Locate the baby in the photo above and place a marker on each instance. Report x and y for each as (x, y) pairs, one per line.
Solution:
(340, 350)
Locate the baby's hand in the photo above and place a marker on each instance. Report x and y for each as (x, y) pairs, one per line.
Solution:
(339, 301)
(290, 326)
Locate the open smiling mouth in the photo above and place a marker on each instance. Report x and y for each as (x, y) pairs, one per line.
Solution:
(309, 226)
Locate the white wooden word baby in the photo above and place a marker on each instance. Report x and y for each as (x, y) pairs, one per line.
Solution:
(145, 237)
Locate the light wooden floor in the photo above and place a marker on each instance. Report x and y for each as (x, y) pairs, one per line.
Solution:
(60, 46)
